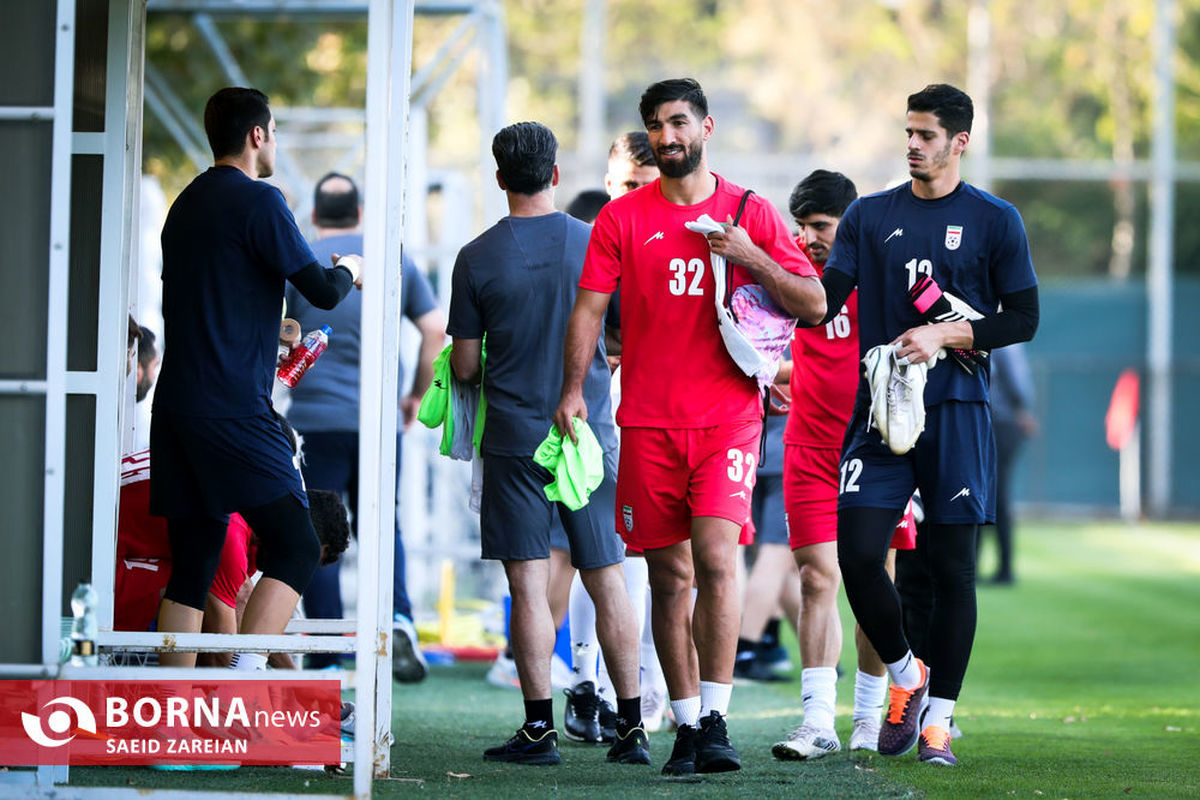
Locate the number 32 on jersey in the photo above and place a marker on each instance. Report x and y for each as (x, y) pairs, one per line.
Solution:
(685, 277)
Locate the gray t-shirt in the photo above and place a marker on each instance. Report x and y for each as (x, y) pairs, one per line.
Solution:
(517, 282)
(326, 399)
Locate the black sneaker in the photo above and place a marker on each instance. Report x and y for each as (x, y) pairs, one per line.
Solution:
(408, 662)
(632, 748)
(714, 753)
(523, 748)
(683, 754)
(581, 719)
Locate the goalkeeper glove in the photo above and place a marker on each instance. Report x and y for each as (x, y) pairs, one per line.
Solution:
(934, 305)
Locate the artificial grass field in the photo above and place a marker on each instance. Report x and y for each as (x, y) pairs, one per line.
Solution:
(1084, 683)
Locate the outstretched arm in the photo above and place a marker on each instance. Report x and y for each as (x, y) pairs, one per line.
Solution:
(583, 330)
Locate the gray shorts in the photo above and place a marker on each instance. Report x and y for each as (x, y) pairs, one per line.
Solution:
(766, 509)
(516, 520)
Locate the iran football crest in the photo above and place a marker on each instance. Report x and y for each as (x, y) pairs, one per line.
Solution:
(953, 236)
(627, 514)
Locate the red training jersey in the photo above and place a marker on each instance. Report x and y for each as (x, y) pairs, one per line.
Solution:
(825, 371)
(675, 371)
(140, 535)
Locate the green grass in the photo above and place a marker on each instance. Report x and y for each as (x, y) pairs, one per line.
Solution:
(1084, 683)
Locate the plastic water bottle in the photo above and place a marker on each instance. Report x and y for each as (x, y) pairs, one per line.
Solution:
(85, 627)
(304, 356)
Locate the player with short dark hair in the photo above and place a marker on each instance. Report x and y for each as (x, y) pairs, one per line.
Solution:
(916, 253)
(822, 387)
(229, 245)
(690, 417)
(514, 284)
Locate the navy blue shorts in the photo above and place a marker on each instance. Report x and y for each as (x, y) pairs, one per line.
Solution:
(953, 464)
(210, 467)
(766, 509)
(516, 519)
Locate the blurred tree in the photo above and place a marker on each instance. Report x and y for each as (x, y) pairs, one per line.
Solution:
(1070, 80)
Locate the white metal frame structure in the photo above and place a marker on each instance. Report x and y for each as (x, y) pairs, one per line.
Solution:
(119, 144)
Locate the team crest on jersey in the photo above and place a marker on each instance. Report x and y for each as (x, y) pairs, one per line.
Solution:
(953, 236)
(627, 515)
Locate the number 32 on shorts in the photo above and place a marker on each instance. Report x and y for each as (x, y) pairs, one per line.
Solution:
(741, 466)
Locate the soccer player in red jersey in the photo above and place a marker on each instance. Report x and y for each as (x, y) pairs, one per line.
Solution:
(691, 419)
(822, 386)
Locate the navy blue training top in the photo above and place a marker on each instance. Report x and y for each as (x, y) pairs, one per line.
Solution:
(972, 243)
(327, 398)
(228, 244)
(517, 282)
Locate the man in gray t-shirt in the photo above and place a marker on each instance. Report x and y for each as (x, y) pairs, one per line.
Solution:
(324, 406)
(516, 284)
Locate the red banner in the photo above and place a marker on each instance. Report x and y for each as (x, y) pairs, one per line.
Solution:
(169, 722)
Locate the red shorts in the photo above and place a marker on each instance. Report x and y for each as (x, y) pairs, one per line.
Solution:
(810, 488)
(669, 476)
(747, 534)
(139, 589)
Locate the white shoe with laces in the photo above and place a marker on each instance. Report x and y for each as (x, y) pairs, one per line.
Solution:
(807, 742)
(897, 397)
(865, 735)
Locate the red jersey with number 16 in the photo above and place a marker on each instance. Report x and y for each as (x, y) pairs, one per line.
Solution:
(675, 371)
(825, 371)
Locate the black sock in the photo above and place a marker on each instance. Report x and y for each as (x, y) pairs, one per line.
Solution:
(539, 715)
(770, 636)
(629, 714)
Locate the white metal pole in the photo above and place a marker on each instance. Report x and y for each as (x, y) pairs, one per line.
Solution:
(388, 66)
(119, 263)
(1160, 271)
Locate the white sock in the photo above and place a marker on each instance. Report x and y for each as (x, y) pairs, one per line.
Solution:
(637, 581)
(939, 713)
(248, 661)
(870, 694)
(818, 693)
(906, 673)
(585, 648)
(686, 711)
(714, 697)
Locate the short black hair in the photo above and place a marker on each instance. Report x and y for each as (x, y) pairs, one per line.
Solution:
(587, 204)
(328, 515)
(525, 155)
(230, 114)
(687, 89)
(822, 192)
(335, 207)
(953, 107)
(147, 346)
(133, 333)
(633, 147)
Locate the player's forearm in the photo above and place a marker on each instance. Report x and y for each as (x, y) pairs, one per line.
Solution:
(583, 331)
(801, 296)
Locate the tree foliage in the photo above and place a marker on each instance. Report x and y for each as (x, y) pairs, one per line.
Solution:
(1069, 80)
